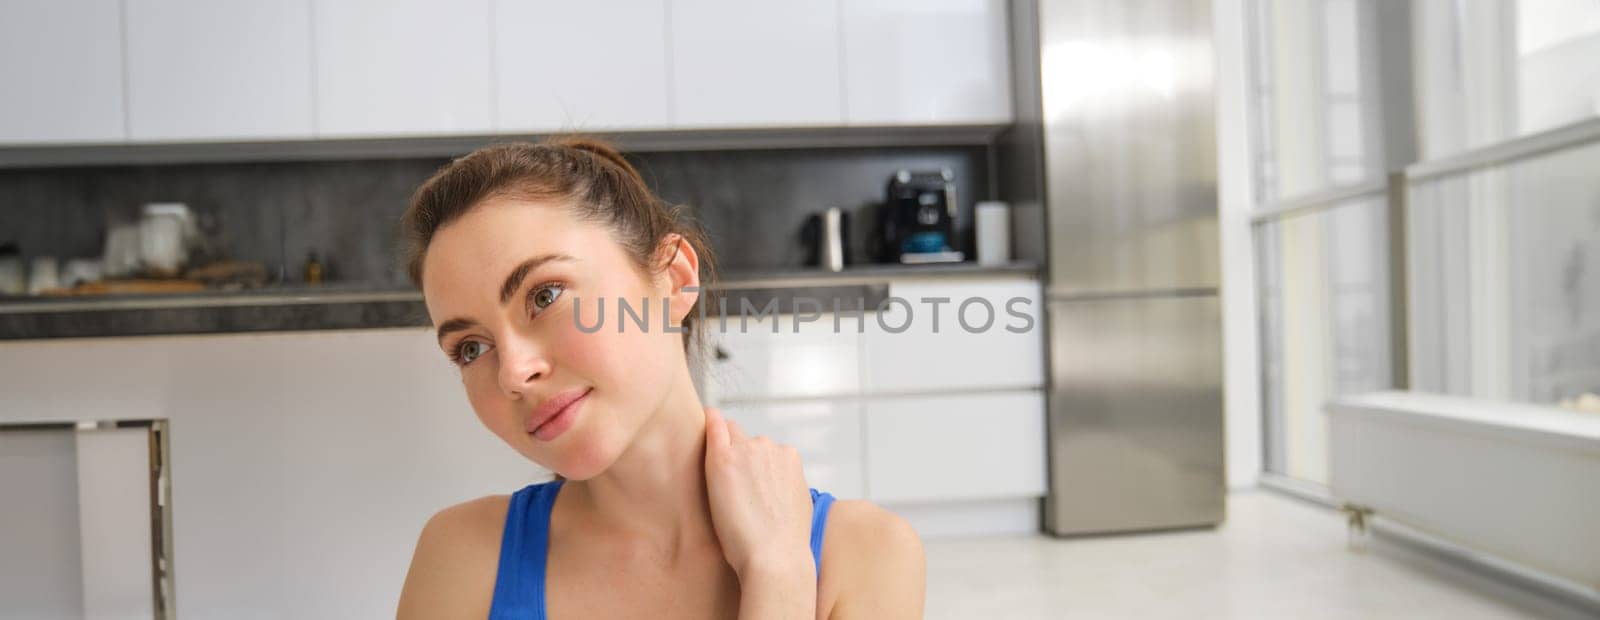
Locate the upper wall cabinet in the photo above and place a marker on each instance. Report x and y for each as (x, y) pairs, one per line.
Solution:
(151, 71)
(755, 63)
(61, 71)
(926, 62)
(412, 67)
(218, 70)
(580, 65)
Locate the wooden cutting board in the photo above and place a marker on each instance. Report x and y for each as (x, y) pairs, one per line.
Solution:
(123, 287)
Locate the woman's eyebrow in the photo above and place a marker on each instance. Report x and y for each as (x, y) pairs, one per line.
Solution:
(453, 325)
(507, 289)
(514, 279)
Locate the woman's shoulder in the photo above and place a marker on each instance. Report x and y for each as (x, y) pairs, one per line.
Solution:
(472, 519)
(457, 557)
(873, 561)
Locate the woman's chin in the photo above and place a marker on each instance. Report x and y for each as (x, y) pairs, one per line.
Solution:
(582, 461)
(581, 471)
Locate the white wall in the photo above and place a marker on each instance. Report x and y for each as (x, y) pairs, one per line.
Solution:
(303, 464)
(1242, 396)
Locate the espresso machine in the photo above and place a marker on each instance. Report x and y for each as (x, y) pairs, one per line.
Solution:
(918, 218)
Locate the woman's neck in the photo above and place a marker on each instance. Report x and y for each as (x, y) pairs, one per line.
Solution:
(656, 490)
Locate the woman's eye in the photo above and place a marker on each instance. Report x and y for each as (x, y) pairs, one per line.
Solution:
(545, 295)
(468, 351)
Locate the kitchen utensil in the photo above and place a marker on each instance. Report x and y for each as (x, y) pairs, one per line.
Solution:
(80, 271)
(121, 257)
(135, 287)
(165, 235)
(44, 275)
(824, 235)
(831, 250)
(230, 274)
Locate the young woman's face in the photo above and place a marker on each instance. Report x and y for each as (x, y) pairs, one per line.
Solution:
(503, 285)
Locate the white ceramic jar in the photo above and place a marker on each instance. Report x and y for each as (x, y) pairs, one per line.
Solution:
(164, 238)
(45, 275)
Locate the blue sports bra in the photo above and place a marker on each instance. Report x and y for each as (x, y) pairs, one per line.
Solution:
(525, 543)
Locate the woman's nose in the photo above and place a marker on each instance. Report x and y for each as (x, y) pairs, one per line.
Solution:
(522, 364)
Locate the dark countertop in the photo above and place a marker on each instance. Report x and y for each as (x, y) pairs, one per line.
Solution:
(357, 306)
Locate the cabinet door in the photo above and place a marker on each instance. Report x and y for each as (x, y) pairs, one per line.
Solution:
(827, 433)
(926, 62)
(936, 350)
(402, 68)
(955, 447)
(218, 69)
(755, 363)
(755, 63)
(61, 69)
(552, 74)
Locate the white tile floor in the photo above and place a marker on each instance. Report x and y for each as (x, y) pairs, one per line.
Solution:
(1275, 557)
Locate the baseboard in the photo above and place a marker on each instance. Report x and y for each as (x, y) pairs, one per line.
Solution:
(1003, 517)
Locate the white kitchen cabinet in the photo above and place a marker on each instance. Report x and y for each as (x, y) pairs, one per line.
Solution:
(580, 65)
(926, 62)
(412, 67)
(954, 358)
(218, 70)
(755, 363)
(61, 69)
(755, 63)
(950, 448)
(826, 433)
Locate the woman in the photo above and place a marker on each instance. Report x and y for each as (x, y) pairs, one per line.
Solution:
(661, 508)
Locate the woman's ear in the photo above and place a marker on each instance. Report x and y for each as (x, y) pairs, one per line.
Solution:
(683, 276)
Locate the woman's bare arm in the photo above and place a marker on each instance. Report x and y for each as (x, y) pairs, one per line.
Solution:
(453, 569)
(880, 568)
(779, 589)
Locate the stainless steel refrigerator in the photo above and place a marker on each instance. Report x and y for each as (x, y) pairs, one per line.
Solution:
(1114, 157)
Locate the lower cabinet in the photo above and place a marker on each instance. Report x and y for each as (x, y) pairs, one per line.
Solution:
(754, 362)
(827, 433)
(955, 447)
(945, 335)
(944, 427)
(912, 449)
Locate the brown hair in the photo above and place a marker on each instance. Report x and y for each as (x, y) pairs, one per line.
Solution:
(589, 177)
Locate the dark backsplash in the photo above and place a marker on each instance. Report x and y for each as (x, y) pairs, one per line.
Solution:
(752, 203)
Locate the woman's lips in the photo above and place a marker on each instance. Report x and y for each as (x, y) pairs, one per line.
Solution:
(567, 406)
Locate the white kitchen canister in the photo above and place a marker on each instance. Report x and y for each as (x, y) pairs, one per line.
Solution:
(994, 232)
(163, 238)
(121, 256)
(45, 275)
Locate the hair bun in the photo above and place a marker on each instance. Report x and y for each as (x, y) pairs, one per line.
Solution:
(598, 148)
